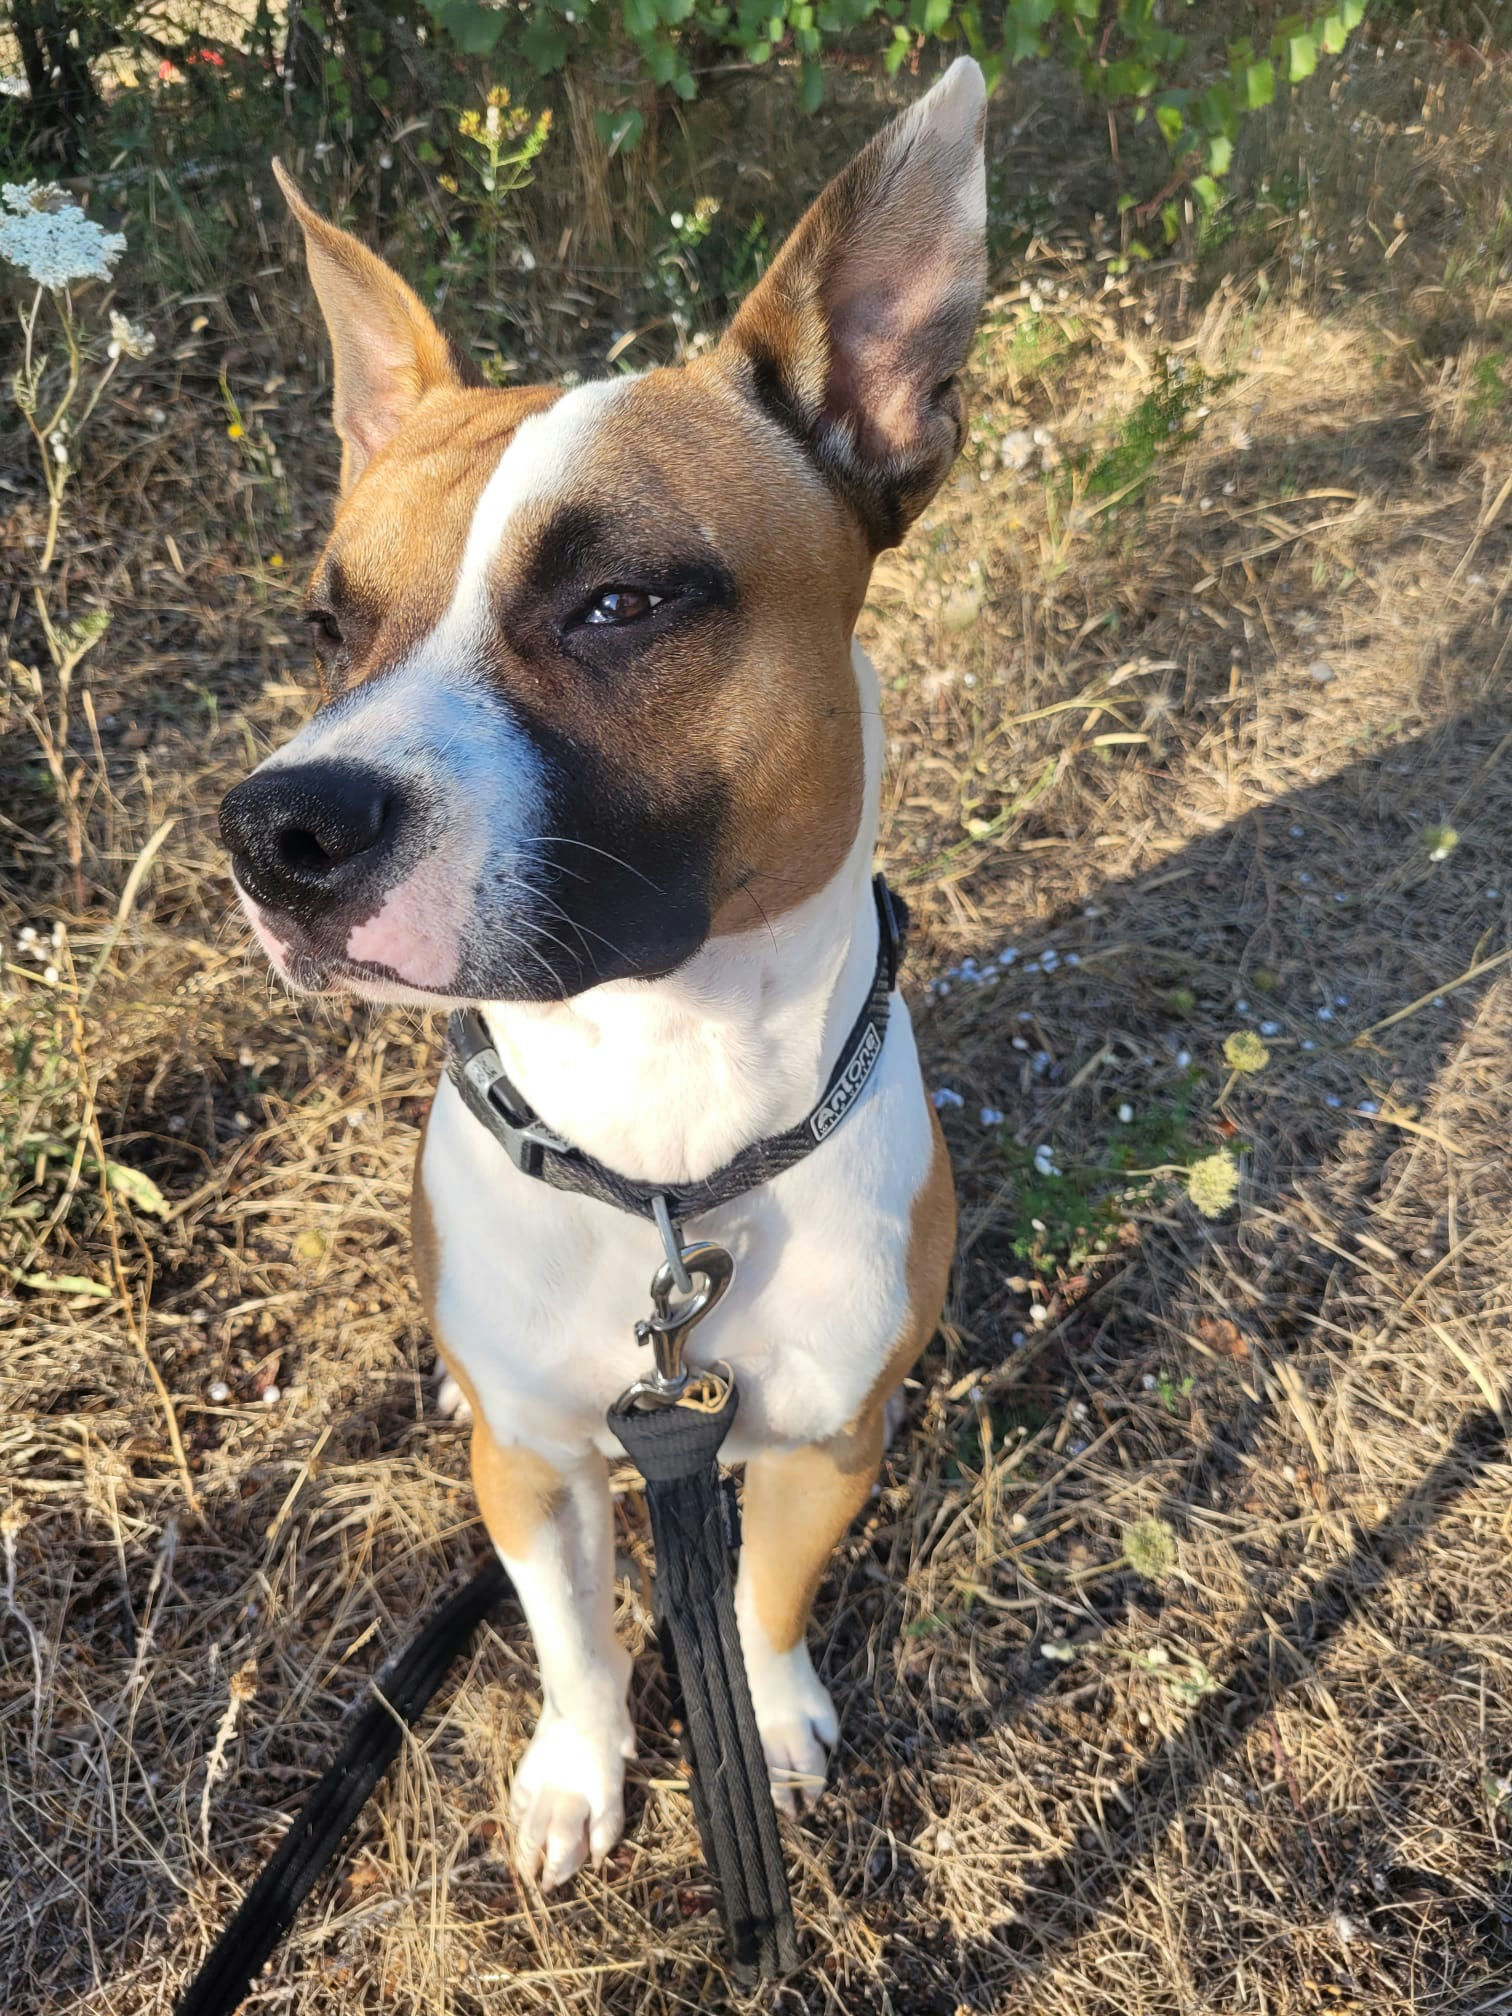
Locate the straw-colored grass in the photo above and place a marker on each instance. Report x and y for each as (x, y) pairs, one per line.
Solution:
(1173, 1657)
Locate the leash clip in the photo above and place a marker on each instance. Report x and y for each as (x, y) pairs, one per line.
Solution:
(710, 1269)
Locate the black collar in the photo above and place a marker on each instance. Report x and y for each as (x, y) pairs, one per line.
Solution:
(491, 1097)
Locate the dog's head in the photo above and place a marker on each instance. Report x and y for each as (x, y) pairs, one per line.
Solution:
(586, 654)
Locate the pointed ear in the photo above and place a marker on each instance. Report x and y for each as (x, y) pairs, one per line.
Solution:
(386, 351)
(855, 334)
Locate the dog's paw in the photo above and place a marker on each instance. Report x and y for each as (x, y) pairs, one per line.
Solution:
(451, 1401)
(567, 1803)
(798, 1727)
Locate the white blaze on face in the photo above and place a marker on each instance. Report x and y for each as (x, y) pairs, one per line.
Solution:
(447, 736)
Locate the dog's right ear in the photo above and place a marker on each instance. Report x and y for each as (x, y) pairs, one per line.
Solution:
(386, 350)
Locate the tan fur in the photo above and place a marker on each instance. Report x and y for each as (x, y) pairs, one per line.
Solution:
(387, 352)
(799, 1503)
(516, 1488)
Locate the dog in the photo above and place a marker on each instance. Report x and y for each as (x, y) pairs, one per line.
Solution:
(599, 759)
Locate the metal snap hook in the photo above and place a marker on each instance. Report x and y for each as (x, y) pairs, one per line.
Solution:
(670, 1323)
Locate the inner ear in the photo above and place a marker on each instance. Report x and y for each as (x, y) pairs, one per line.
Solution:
(855, 336)
(386, 350)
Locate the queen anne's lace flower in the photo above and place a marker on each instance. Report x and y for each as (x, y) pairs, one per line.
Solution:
(48, 236)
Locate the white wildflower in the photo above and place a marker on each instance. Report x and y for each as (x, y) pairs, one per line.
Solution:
(49, 237)
(129, 339)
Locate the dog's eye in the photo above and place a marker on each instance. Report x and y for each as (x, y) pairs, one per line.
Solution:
(324, 629)
(622, 605)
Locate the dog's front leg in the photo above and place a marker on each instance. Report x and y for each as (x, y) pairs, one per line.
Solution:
(553, 1531)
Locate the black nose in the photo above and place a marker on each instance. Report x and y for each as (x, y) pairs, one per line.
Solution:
(306, 836)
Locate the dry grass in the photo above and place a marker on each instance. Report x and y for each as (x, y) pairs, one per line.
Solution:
(1274, 1775)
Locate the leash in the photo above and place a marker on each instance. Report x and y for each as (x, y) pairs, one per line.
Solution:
(404, 1688)
(672, 1425)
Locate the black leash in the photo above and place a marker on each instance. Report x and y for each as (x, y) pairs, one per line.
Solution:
(694, 1524)
(404, 1688)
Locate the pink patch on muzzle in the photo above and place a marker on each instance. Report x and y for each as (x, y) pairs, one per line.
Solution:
(417, 932)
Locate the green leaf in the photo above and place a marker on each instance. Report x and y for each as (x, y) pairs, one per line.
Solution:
(1168, 118)
(896, 50)
(620, 131)
(1301, 57)
(474, 29)
(936, 16)
(1258, 85)
(811, 89)
(544, 44)
(1207, 192)
(140, 1189)
(313, 19)
(1170, 221)
(1220, 153)
(684, 85)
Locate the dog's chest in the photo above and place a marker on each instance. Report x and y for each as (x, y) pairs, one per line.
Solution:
(538, 1291)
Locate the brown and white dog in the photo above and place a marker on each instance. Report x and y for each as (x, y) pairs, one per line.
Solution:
(599, 754)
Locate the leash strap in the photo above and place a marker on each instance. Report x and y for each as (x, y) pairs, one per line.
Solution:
(491, 1096)
(404, 1687)
(676, 1450)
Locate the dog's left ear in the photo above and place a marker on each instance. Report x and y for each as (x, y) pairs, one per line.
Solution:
(854, 336)
(386, 350)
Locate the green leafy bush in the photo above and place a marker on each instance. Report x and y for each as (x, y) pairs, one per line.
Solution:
(1124, 56)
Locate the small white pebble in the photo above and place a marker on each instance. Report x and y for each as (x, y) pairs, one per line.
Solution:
(176, 1123)
(1073, 958)
(240, 1122)
(1007, 956)
(1333, 1099)
(1369, 1108)
(1183, 1059)
(991, 1117)
(1241, 1008)
(1305, 878)
(1037, 1312)
(1125, 1113)
(220, 1393)
(1325, 1014)
(944, 1096)
(1341, 1001)
(50, 975)
(1149, 1382)
(271, 1396)
(1270, 1028)
(1018, 1340)
(1308, 1043)
(1296, 832)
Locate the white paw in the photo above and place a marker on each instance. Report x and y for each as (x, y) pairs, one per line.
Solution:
(798, 1727)
(568, 1798)
(451, 1401)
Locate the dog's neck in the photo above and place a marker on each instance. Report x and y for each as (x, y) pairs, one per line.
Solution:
(667, 1080)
